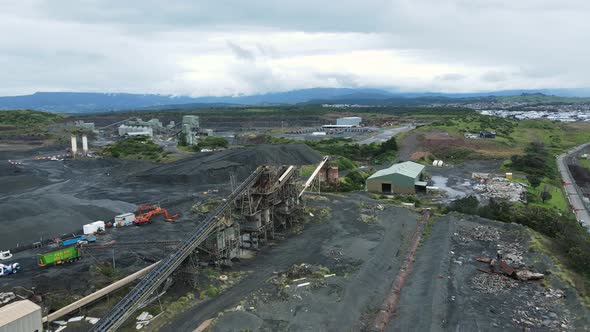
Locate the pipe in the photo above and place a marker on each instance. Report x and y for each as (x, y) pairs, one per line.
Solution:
(98, 294)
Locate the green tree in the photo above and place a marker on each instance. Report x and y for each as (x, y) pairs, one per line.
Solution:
(534, 180)
(545, 195)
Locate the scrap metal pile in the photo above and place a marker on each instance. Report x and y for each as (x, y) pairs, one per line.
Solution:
(501, 267)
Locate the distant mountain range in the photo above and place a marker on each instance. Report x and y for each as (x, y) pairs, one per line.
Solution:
(83, 102)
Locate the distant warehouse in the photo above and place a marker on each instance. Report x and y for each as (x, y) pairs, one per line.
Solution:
(402, 178)
(353, 121)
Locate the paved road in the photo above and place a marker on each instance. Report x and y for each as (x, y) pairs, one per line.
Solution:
(387, 134)
(573, 193)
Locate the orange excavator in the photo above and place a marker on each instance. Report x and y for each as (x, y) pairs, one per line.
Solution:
(146, 212)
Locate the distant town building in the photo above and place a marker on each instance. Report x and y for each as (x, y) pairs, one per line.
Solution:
(353, 121)
(402, 178)
(125, 130)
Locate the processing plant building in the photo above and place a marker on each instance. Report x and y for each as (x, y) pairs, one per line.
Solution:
(125, 130)
(402, 178)
(352, 121)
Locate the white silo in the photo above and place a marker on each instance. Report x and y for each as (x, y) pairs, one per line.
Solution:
(85, 144)
(74, 146)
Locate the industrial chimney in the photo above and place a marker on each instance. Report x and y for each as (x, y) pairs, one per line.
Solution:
(85, 145)
(74, 147)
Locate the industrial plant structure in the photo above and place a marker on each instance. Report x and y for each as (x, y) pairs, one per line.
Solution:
(352, 121)
(190, 128)
(126, 130)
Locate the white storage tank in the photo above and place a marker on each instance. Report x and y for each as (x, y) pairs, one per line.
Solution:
(20, 316)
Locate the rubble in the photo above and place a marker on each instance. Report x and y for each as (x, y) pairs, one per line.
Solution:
(7, 297)
(479, 233)
(490, 283)
(502, 188)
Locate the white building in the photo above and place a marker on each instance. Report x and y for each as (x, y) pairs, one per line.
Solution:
(353, 121)
(135, 130)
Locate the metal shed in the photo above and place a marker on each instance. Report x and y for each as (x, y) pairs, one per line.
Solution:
(402, 178)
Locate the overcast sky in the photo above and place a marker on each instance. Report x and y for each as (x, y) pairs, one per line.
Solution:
(225, 47)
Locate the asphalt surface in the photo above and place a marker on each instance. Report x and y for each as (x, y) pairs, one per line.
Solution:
(573, 193)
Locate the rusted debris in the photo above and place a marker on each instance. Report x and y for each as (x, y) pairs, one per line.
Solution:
(528, 275)
(508, 270)
(483, 259)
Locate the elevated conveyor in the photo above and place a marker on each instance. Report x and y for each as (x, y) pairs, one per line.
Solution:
(115, 317)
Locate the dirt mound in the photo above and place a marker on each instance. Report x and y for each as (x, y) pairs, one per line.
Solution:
(216, 167)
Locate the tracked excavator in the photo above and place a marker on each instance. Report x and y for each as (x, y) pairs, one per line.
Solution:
(146, 212)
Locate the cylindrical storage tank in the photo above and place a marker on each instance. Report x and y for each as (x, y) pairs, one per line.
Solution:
(435, 163)
(85, 144)
(440, 163)
(74, 146)
(333, 175)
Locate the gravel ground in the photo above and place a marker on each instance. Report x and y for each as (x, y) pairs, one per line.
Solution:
(446, 292)
(363, 256)
(57, 197)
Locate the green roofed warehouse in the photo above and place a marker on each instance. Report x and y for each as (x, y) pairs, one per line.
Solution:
(402, 178)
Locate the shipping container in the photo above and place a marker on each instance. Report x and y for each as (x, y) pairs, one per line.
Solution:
(89, 229)
(72, 241)
(61, 256)
(97, 226)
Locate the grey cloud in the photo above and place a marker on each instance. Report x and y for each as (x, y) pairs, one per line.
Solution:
(339, 79)
(268, 51)
(495, 76)
(241, 52)
(450, 77)
(138, 44)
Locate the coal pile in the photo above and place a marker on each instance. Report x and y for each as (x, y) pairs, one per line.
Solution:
(216, 167)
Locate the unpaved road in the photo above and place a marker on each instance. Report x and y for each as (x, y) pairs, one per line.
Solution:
(387, 134)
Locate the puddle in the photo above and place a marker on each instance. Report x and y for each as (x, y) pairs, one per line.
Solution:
(441, 183)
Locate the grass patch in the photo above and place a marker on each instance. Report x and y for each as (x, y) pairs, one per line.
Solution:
(542, 244)
(513, 136)
(137, 147)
